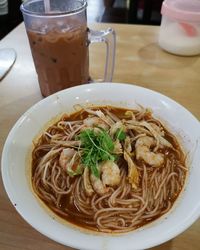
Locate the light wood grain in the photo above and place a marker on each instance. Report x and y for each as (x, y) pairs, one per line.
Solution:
(139, 61)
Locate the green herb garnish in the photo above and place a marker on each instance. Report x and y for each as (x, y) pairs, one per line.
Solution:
(96, 146)
(120, 134)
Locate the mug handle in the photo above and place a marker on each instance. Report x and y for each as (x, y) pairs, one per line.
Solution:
(107, 36)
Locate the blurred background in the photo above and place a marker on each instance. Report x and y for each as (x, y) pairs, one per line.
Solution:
(113, 11)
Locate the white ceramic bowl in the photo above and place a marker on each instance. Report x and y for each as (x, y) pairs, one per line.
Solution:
(178, 119)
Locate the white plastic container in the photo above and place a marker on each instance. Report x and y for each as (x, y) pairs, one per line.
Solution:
(180, 27)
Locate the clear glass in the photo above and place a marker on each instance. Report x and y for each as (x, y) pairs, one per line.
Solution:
(59, 40)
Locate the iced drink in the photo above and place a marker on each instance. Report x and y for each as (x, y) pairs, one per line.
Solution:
(59, 40)
(61, 58)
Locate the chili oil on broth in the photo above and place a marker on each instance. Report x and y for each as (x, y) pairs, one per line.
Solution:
(85, 220)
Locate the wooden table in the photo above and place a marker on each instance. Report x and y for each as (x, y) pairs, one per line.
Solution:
(140, 61)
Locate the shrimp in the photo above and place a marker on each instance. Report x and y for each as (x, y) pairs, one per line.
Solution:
(69, 161)
(110, 176)
(98, 185)
(110, 173)
(65, 157)
(142, 147)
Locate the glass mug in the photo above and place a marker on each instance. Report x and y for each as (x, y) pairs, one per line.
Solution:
(59, 40)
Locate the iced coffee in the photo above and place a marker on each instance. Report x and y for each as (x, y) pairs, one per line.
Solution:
(60, 57)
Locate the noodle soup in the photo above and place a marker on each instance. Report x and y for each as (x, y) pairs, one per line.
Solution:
(108, 169)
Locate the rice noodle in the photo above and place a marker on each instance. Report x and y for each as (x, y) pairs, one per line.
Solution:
(122, 208)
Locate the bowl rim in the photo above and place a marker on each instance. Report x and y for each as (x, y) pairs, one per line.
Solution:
(183, 227)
